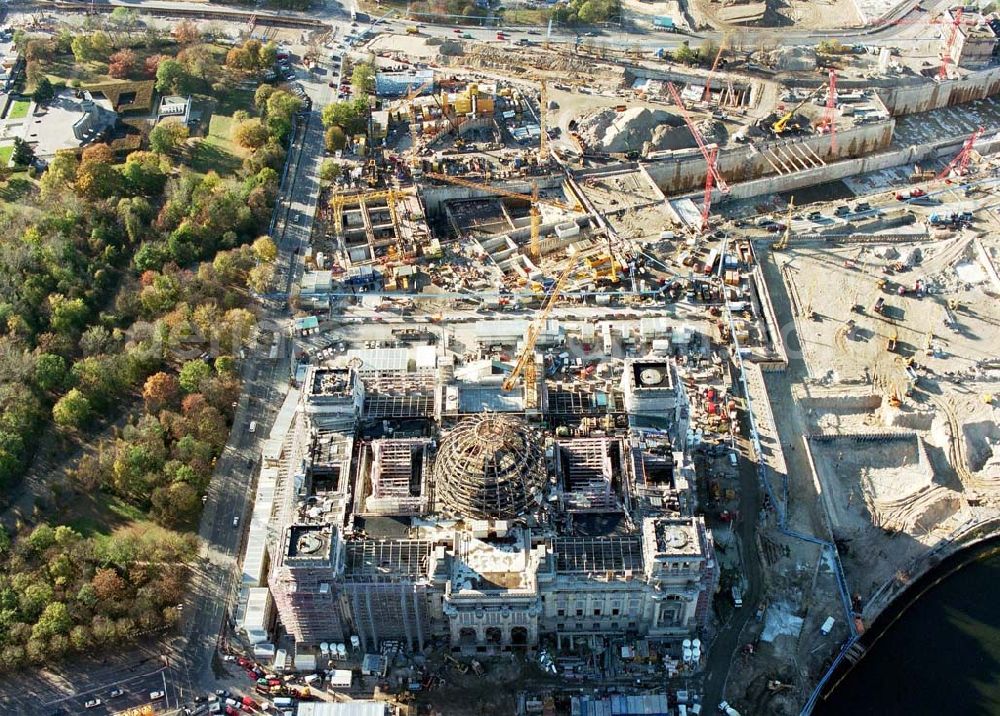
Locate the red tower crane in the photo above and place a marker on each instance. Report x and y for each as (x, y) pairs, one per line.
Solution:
(707, 96)
(946, 54)
(831, 110)
(961, 161)
(712, 176)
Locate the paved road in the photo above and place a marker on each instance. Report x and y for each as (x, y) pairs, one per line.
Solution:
(231, 493)
(335, 14)
(727, 641)
(66, 688)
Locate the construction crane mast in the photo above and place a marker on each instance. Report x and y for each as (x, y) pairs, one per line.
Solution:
(525, 363)
(536, 223)
(712, 175)
(961, 161)
(413, 93)
(829, 118)
(707, 96)
(787, 233)
(946, 52)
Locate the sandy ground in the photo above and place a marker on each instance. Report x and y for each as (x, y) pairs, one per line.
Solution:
(824, 14)
(829, 288)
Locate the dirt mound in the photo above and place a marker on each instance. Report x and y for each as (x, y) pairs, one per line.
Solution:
(628, 131)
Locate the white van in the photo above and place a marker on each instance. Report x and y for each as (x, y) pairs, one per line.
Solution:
(667, 236)
(253, 426)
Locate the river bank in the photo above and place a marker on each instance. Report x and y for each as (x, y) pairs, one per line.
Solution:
(934, 650)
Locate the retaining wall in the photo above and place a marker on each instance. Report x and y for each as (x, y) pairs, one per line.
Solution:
(748, 164)
(928, 95)
(435, 196)
(771, 321)
(852, 403)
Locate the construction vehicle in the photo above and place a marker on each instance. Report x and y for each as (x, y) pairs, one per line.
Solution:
(774, 686)
(920, 175)
(784, 124)
(525, 363)
(890, 343)
(960, 164)
(461, 667)
(950, 319)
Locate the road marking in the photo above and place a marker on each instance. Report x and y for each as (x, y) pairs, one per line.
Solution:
(116, 682)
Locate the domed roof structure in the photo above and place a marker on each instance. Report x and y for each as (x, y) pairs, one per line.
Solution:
(489, 466)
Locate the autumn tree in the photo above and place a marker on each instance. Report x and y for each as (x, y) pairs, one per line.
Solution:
(121, 64)
(265, 249)
(161, 390)
(151, 64)
(72, 410)
(335, 139)
(96, 177)
(186, 32)
(167, 137)
(251, 134)
(260, 277)
(108, 585)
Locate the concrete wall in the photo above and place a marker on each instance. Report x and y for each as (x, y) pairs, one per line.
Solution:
(746, 163)
(931, 94)
(434, 196)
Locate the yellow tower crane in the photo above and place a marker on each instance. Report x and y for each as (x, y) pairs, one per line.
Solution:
(787, 233)
(525, 363)
(413, 93)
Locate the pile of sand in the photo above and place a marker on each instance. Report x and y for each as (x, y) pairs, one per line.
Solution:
(795, 59)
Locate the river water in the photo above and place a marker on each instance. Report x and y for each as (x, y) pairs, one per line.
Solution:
(940, 656)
